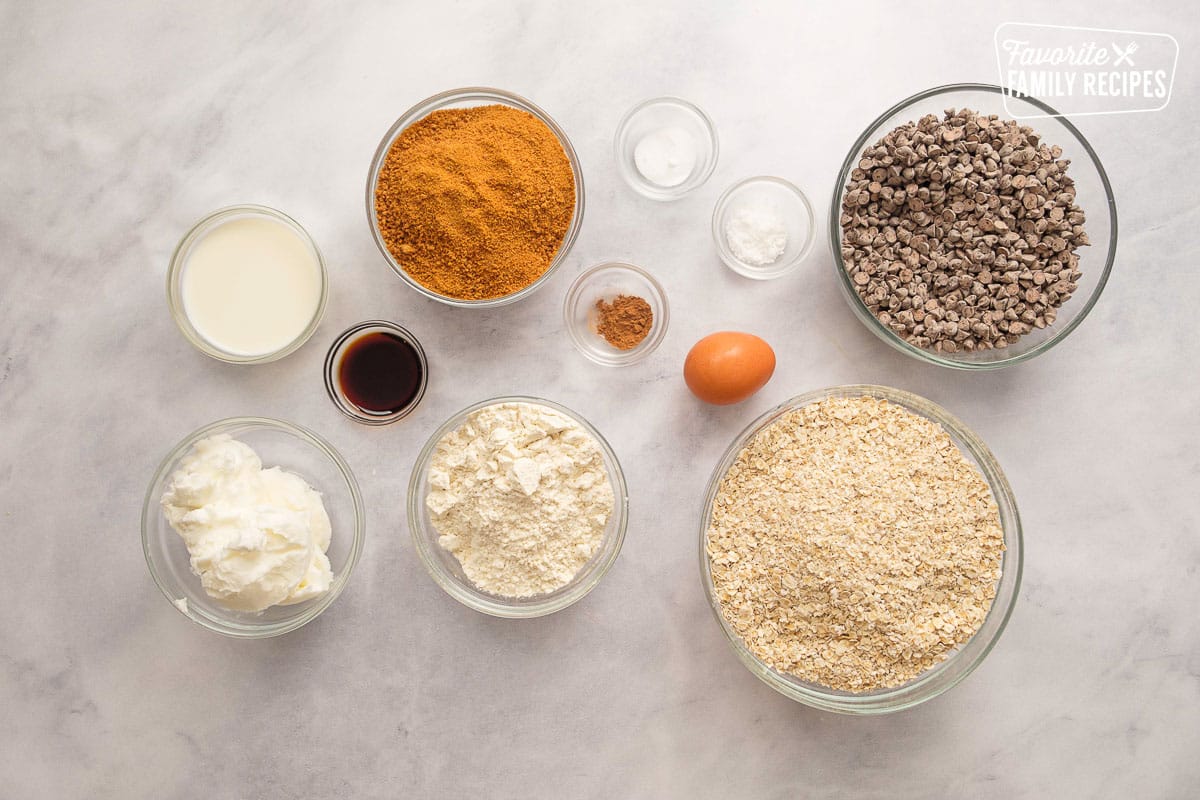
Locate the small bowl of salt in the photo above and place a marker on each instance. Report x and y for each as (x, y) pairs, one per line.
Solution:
(763, 227)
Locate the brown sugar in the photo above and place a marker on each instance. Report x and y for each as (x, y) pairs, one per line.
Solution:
(473, 203)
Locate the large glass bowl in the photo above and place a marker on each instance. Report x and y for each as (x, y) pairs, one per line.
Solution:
(470, 98)
(1093, 194)
(962, 661)
(277, 443)
(444, 567)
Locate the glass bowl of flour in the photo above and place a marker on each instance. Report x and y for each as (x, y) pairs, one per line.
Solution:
(517, 507)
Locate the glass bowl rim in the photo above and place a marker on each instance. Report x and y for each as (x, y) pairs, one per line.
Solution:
(886, 334)
(923, 687)
(658, 329)
(343, 340)
(746, 270)
(175, 277)
(496, 96)
(491, 604)
(150, 510)
(644, 187)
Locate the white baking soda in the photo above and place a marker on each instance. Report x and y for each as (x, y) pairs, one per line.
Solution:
(251, 286)
(665, 157)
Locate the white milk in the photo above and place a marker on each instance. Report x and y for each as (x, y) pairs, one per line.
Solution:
(251, 286)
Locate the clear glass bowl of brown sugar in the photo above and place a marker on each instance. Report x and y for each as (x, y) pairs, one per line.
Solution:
(417, 246)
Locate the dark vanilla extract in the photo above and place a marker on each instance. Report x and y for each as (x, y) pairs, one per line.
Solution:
(380, 373)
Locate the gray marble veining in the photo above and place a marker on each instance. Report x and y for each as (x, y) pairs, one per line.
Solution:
(124, 123)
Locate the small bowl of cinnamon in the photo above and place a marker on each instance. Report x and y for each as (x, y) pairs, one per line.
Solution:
(616, 314)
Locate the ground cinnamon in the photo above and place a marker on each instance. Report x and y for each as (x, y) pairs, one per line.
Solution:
(473, 203)
(625, 321)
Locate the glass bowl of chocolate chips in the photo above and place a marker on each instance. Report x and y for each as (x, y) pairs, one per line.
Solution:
(971, 228)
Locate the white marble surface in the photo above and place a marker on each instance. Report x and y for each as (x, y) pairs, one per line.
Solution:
(123, 123)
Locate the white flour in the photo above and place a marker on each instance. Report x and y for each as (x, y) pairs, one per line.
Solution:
(519, 493)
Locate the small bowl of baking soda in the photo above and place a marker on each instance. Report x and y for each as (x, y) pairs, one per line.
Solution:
(763, 227)
(665, 148)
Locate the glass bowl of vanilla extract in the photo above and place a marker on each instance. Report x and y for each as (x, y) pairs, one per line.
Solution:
(376, 372)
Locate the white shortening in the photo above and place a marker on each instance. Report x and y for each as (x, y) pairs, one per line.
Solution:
(256, 537)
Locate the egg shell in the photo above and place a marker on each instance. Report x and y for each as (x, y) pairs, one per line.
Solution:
(727, 367)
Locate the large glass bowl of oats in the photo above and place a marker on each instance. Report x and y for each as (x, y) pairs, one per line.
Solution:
(972, 229)
(860, 548)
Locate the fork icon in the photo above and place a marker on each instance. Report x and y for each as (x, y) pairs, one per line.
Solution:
(1124, 55)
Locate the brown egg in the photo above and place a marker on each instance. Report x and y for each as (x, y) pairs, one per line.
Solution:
(727, 367)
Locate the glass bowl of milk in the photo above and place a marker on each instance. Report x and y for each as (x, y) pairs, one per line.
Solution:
(247, 285)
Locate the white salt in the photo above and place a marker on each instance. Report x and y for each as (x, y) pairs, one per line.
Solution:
(757, 235)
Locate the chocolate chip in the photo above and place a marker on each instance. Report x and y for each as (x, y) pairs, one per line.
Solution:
(960, 232)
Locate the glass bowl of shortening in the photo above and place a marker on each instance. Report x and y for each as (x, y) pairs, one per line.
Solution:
(517, 507)
(861, 549)
(972, 229)
(275, 525)
(475, 197)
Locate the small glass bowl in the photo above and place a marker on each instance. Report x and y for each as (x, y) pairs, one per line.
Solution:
(277, 443)
(175, 283)
(448, 573)
(960, 662)
(785, 200)
(604, 282)
(1093, 194)
(656, 114)
(333, 362)
(470, 98)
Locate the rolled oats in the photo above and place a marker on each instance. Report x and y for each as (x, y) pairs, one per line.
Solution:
(853, 545)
